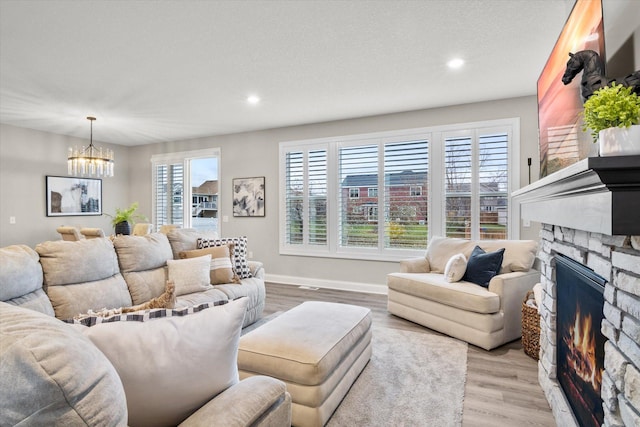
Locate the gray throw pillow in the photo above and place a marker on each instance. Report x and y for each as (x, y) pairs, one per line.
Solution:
(482, 266)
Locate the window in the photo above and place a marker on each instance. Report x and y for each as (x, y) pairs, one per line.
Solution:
(185, 189)
(446, 180)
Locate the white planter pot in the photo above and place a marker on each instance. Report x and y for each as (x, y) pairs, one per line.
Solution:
(619, 141)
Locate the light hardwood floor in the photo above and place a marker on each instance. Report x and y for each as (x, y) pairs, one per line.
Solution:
(502, 385)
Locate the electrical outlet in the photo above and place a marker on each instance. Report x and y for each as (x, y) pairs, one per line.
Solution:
(225, 218)
(12, 220)
(250, 255)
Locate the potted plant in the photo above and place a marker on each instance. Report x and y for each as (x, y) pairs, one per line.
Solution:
(124, 217)
(612, 114)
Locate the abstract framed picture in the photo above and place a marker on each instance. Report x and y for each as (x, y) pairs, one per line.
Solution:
(248, 196)
(71, 196)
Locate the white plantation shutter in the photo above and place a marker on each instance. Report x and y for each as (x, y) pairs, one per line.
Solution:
(493, 181)
(477, 186)
(457, 181)
(383, 195)
(169, 195)
(306, 197)
(406, 193)
(358, 169)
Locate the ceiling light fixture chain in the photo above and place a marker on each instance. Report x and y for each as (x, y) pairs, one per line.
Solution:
(90, 161)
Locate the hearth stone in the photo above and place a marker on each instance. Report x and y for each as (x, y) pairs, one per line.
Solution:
(617, 258)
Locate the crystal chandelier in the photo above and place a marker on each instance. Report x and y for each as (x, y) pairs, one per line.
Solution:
(90, 161)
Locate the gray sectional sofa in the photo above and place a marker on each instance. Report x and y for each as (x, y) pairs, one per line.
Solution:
(125, 372)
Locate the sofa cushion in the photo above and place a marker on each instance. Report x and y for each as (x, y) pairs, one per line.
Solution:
(482, 266)
(455, 268)
(433, 286)
(441, 249)
(21, 279)
(185, 239)
(82, 275)
(172, 366)
(221, 268)
(240, 264)
(190, 275)
(52, 375)
(519, 255)
(140, 253)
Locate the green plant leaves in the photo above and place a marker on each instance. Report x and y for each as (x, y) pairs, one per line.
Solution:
(611, 106)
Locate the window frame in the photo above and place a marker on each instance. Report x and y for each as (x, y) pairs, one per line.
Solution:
(436, 216)
(184, 158)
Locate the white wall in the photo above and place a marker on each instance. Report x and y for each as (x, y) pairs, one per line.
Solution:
(26, 157)
(256, 154)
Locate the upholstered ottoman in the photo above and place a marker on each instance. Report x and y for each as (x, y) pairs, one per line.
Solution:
(317, 348)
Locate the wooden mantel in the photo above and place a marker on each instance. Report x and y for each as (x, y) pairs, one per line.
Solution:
(597, 194)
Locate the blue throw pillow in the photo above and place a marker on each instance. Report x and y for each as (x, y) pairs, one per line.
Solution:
(482, 266)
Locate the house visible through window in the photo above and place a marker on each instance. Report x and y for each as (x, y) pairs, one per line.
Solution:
(446, 180)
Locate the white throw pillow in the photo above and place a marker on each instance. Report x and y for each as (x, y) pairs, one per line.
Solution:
(171, 366)
(455, 268)
(190, 275)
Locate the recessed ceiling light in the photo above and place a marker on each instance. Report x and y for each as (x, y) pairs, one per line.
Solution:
(455, 63)
(253, 99)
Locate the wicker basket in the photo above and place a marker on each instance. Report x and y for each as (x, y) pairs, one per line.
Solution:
(530, 328)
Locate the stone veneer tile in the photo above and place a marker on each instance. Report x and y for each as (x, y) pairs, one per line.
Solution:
(629, 348)
(570, 251)
(609, 393)
(610, 294)
(581, 238)
(608, 330)
(600, 265)
(628, 303)
(627, 283)
(635, 242)
(613, 419)
(632, 386)
(615, 364)
(619, 241)
(626, 261)
(631, 327)
(612, 314)
(629, 416)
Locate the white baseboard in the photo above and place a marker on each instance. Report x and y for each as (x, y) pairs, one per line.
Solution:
(369, 288)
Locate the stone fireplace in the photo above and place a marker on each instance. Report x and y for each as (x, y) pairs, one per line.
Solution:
(590, 213)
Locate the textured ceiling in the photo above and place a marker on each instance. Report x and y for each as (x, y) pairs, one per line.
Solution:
(154, 71)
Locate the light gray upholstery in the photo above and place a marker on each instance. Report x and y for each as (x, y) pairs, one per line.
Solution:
(21, 279)
(51, 375)
(486, 317)
(81, 276)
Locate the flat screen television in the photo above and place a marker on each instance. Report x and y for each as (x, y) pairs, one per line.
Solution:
(562, 140)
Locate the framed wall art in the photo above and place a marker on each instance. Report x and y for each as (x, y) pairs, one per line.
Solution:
(248, 196)
(71, 196)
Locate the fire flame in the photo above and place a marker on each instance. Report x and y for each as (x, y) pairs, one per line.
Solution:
(581, 344)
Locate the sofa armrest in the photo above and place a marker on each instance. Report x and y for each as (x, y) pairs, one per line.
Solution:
(256, 268)
(512, 288)
(414, 265)
(254, 401)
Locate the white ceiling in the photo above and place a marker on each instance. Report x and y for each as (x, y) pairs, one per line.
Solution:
(154, 71)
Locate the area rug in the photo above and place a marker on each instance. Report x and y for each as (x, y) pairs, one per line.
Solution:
(412, 379)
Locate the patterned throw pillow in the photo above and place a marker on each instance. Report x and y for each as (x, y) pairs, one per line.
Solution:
(92, 319)
(240, 263)
(221, 263)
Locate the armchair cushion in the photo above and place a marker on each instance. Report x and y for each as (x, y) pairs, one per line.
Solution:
(482, 266)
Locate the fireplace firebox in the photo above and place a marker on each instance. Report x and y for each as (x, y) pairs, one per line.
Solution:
(580, 341)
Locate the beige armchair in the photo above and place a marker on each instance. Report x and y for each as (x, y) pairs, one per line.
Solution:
(92, 233)
(142, 228)
(69, 233)
(487, 317)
